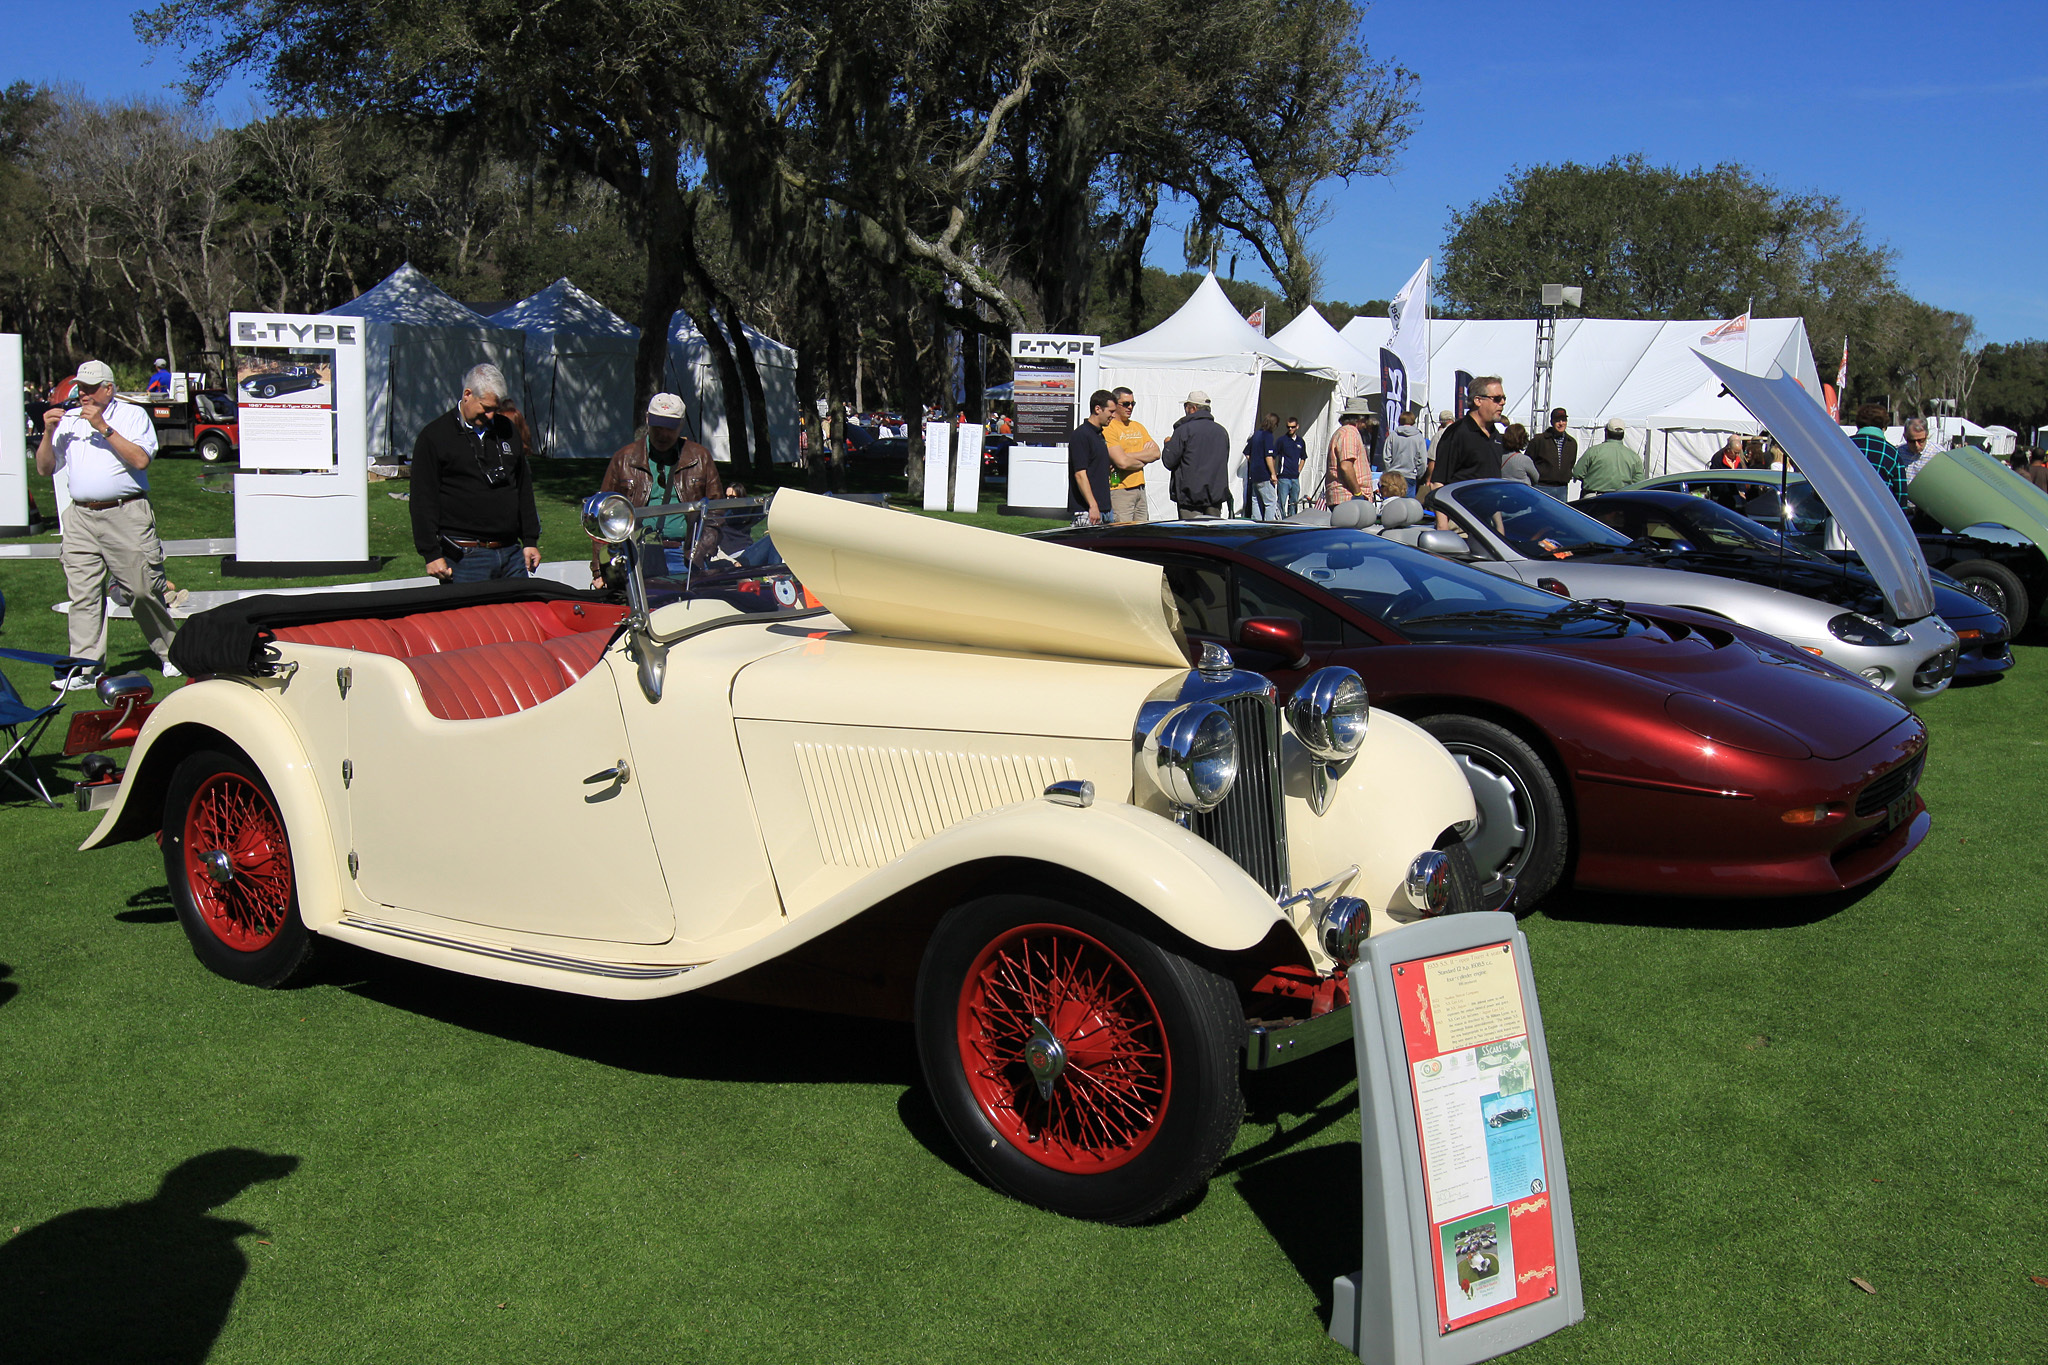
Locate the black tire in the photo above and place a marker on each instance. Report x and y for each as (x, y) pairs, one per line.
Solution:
(228, 859)
(215, 450)
(267, 390)
(1146, 1101)
(1997, 587)
(1524, 829)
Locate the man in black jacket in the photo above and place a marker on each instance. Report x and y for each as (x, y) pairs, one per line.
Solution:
(1471, 448)
(473, 516)
(1198, 453)
(1555, 452)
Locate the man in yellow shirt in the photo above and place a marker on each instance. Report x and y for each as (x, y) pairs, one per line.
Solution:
(1131, 448)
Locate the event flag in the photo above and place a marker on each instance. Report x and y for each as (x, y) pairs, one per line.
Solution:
(1841, 382)
(1405, 357)
(1735, 329)
(1463, 396)
(1257, 318)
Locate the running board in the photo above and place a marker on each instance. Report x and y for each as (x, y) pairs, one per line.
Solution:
(1269, 1045)
(556, 962)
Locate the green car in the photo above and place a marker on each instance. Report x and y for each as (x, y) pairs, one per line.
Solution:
(1978, 522)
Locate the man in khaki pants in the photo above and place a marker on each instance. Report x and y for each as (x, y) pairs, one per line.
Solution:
(110, 528)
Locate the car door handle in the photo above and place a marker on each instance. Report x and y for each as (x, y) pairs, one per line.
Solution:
(620, 773)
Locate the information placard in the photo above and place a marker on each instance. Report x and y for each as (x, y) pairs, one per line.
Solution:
(1468, 1246)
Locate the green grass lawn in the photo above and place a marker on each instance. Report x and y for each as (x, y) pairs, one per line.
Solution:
(1759, 1101)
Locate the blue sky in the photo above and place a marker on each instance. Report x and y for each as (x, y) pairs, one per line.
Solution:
(1935, 136)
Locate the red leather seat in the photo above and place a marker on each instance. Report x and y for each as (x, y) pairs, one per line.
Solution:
(578, 654)
(487, 680)
(574, 618)
(370, 636)
(489, 623)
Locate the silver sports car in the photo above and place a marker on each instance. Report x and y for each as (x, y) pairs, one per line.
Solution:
(1511, 529)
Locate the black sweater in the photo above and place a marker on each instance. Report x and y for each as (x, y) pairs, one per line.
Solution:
(451, 496)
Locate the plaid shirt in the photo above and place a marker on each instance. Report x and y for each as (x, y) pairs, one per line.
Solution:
(1886, 459)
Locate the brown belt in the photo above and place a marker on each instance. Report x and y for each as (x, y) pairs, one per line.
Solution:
(479, 544)
(105, 506)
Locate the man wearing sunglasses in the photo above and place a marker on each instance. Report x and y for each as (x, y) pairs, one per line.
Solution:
(473, 516)
(1471, 449)
(1131, 448)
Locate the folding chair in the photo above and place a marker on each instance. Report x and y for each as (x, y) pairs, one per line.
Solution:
(23, 724)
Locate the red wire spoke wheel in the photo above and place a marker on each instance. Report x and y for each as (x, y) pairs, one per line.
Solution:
(1081, 1057)
(238, 863)
(228, 858)
(1063, 1049)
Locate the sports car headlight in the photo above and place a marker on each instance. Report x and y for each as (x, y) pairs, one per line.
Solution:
(608, 517)
(1854, 628)
(1194, 755)
(1329, 713)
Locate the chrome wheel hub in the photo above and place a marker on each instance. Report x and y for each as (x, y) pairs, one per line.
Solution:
(1046, 1058)
(1502, 835)
(218, 866)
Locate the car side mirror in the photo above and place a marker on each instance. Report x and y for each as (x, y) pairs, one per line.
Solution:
(1276, 635)
(1448, 544)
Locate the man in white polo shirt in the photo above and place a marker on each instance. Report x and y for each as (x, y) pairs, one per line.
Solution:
(110, 528)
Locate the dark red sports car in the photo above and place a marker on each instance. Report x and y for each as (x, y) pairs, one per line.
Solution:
(1612, 748)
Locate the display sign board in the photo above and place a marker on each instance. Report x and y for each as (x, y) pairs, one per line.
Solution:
(301, 500)
(1469, 1249)
(1054, 373)
(967, 442)
(938, 465)
(13, 441)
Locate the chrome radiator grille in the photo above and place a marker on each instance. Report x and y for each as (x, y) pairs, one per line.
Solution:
(1250, 826)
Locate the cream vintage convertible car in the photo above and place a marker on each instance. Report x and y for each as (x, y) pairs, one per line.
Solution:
(981, 788)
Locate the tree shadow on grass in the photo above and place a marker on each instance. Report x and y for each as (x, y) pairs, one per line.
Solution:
(147, 1281)
(1721, 912)
(686, 1037)
(153, 906)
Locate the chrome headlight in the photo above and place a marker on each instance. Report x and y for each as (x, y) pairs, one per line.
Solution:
(1854, 628)
(1329, 713)
(1194, 755)
(1429, 882)
(608, 517)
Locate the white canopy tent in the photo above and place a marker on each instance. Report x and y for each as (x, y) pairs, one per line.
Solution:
(1642, 372)
(418, 343)
(1946, 431)
(579, 371)
(692, 372)
(1311, 337)
(1207, 346)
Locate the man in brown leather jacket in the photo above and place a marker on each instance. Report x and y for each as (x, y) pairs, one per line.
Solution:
(659, 465)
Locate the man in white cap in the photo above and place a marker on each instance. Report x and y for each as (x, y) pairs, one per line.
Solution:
(110, 528)
(1610, 465)
(659, 465)
(1198, 453)
(160, 381)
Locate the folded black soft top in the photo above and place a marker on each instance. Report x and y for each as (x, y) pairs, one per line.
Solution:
(231, 638)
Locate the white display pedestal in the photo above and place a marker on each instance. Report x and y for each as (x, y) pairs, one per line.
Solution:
(1038, 482)
(937, 465)
(14, 518)
(967, 470)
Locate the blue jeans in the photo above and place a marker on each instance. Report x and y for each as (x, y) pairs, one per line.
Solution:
(479, 566)
(1266, 502)
(1290, 497)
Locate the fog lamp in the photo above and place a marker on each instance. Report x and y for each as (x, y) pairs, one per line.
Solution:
(1874, 676)
(1429, 882)
(1194, 756)
(1342, 928)
(608, 517)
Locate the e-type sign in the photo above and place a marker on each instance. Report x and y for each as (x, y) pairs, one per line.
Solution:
(1493, 1247)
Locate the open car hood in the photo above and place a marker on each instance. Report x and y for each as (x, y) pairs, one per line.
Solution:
(1965, 487)
(1862, 505)
(908, 577)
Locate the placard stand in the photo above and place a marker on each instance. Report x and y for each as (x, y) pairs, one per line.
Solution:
(1053, 375)
(967, 469)
(1469, 1249)
(302, 496)
(14, 518)
(937, 465)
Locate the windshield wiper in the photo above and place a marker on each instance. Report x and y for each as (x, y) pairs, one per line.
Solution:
(1590, 606)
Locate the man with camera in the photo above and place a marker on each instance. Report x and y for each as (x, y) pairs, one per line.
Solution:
(473, 516)
(104, 447)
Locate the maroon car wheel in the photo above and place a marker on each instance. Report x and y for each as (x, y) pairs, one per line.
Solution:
(1524, 831)
(228, 858)
(1082, 1066)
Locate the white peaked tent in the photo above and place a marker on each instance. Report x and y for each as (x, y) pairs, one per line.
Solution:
(579, 371)
(692, 372)
(1311, 337)
(418, 343)
(1207, 346)
(1642, 372)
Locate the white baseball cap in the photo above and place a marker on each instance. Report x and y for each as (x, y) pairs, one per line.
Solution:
(665, 410)
(94, 373)
(1199, 398)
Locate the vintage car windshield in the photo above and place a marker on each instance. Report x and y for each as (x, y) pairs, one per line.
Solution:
(1536, 525)
(1426, 597)
(717, 550)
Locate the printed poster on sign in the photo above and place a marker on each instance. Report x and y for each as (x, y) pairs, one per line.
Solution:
(284, 402)
(1467, 1040)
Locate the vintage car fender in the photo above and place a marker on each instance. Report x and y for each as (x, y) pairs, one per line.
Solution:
(1187, 882)
(248, 717)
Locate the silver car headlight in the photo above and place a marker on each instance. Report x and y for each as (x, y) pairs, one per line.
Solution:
(1329, 713)
(608, 517)
(1854, 628)
(1194, 755)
